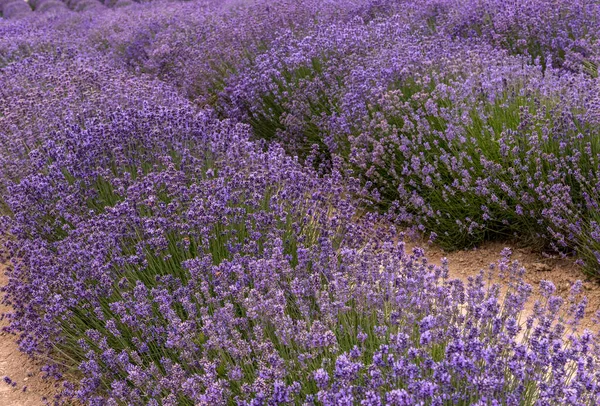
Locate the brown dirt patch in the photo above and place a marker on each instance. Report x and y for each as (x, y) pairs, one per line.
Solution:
(562, 272)
(20, 368)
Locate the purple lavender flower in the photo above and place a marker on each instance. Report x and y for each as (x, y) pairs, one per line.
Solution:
(194, 194)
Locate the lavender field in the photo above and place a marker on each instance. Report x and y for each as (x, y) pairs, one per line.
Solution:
(217, 202)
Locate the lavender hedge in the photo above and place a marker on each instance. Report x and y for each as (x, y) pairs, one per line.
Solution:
(164, 258)
(201, 201)
(459, 138)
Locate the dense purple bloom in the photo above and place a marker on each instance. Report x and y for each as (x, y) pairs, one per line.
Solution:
(200, 200)
(451, 133)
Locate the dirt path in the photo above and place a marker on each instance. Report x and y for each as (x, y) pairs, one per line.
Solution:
(20, 369)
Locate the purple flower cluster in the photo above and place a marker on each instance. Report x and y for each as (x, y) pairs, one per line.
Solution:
(163, 253)
(14, 8)
(44, 94)
(238, 279)
(196, 46)
(559, 34)
(456, 136)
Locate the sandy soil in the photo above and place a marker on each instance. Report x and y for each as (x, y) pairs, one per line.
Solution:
(562, 272)
(20, 369)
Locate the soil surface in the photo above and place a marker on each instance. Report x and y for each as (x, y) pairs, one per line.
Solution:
(562, 272)
(31, 388)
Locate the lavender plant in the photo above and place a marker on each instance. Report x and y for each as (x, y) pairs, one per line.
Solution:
(75, 90)
(460, 139)
(556, 33)
(200, 269)
(197, 46)
(166, 254)
(14, 9)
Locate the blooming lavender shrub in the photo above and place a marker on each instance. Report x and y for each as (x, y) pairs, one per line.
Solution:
(175, 262)
(163, 255)
(560, 34)
(196, 45)
(15, 9)
(74, 90)
(457, 137)
(555, 33)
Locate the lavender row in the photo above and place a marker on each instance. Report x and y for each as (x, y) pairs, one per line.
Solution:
(368, 50)
(457, 137)
(170, 260)
(14, 8)
(162, 254)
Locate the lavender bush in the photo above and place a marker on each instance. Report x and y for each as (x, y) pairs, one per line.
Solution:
(200, 269)
(459, 138)
(74, 91)
(196, 46)
(14, 9)
(201, 200)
